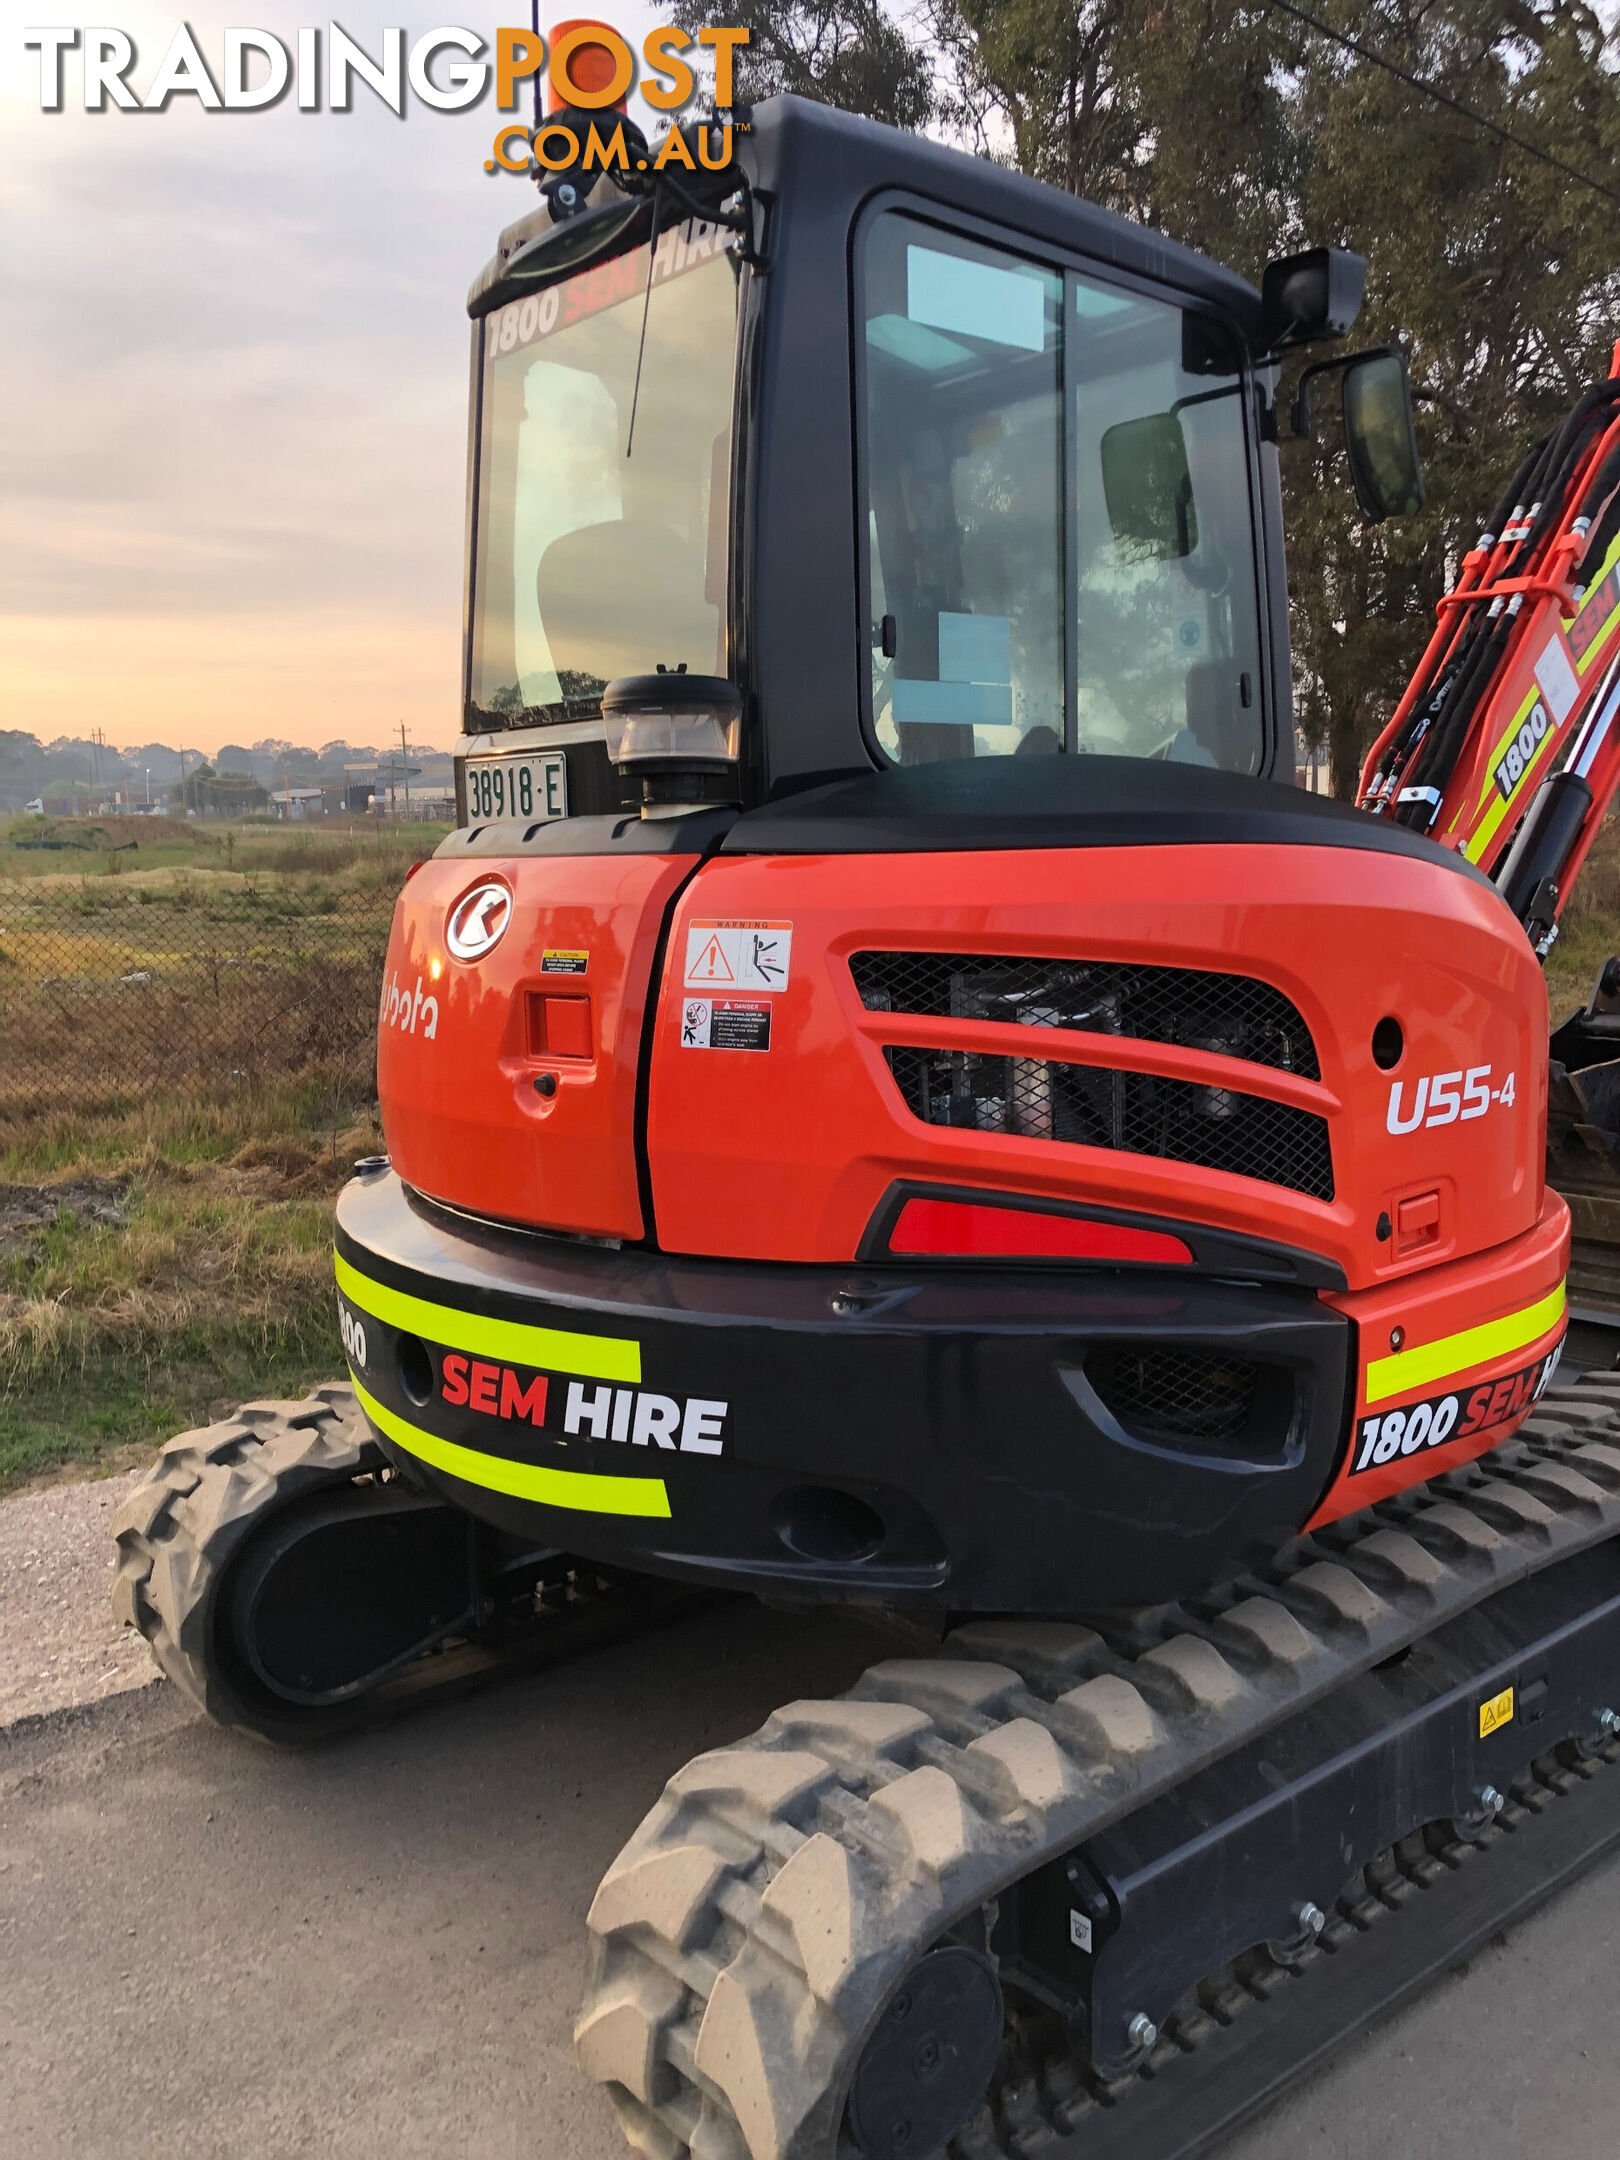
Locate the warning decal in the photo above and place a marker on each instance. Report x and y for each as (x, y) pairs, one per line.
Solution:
(725, 1024)
(1496, 1713)
(564, 963)
(725, 956)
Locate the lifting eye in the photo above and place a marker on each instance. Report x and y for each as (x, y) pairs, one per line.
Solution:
(1387, 1043)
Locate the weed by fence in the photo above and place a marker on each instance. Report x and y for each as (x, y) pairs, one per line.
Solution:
(257, 964)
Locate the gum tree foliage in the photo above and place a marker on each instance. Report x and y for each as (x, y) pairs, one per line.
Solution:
(849, 53)
(1242, 132)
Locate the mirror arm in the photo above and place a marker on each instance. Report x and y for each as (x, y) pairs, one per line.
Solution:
(1299, 421)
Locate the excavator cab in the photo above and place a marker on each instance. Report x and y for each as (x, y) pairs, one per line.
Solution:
(928, 462)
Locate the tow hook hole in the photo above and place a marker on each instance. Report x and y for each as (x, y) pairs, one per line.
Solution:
(1387, 1043)
(415, 1368)
(818, 1522)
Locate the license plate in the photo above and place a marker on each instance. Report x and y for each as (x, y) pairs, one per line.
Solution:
(517, 787)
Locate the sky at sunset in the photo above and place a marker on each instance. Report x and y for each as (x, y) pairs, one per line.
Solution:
(233, 384)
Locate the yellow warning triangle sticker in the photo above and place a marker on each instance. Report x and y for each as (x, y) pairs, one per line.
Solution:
(713, 966)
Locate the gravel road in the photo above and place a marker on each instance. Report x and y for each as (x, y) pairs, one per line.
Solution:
(212, 1952)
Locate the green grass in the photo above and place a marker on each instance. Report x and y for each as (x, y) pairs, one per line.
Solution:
(213, 1286)
(114, 1408)
(222, 1110)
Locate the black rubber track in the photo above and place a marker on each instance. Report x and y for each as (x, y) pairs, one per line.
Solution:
(750, 1935)
(210, 1491)
(1260, 2026)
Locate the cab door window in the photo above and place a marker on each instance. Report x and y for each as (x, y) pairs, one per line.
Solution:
(1058, 513)
(963, 454)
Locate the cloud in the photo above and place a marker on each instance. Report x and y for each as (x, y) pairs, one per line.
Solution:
(233, 388)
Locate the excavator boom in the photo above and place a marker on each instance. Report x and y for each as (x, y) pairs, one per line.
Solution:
(1504, 745)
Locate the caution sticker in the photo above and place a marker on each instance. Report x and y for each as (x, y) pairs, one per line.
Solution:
(725, 1024)
(727, 956)
(564, 963)
(1496, 1713)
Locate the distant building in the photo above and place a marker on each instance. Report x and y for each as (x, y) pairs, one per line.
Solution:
(297, 802)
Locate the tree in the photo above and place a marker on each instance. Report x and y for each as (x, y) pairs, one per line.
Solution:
(219, 794)
(847, 53)
(1499, 273)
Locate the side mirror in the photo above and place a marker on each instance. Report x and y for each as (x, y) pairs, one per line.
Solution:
(1314, 295)
(1380, 437)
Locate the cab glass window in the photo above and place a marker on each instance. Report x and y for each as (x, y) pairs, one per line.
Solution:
(1012, 613)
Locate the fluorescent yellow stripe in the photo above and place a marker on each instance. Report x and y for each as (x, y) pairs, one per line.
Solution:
(579, 1489)
(599, 1357)
(1507, 735)
(1454, 1354)
(1487, 826)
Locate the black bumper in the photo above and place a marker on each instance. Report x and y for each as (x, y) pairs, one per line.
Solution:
(971, 1439)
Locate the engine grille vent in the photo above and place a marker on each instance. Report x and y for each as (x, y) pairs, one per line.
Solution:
(1137, 1113)
(1228, 1014)
(1191, 1394)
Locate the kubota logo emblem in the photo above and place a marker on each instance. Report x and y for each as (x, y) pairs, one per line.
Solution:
(478, 921)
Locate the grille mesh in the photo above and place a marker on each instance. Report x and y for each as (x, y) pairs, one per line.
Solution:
(1193, 1394)
(1229, 1014)
(1137, 1113)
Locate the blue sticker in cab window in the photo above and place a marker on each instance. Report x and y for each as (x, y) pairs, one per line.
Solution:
(1005, 307)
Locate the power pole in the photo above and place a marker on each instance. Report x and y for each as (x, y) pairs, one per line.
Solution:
(405, 767)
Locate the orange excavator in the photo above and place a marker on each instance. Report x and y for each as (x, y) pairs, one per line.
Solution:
(895, 1101)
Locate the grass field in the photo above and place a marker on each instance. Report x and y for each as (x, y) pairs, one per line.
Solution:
(169, 1153)
(186, 1025)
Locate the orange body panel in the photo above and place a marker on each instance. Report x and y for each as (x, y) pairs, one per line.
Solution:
(776, 1131)
(463, 1118)
(786, 1153)
(1487, 1397)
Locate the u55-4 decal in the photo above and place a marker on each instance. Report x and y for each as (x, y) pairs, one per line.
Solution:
(1448, 1098)
(1416, 1427)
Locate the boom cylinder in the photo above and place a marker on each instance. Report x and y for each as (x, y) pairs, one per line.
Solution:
(1542, 850)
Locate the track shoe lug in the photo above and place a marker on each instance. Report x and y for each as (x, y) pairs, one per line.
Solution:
(1115, 1720)
(617, 2039)
(1268, 1631)
(1338, 1597)
(663, 1891)
(1032, 1770)
(1204, 1682)
(850, 1730)
(938, 1821)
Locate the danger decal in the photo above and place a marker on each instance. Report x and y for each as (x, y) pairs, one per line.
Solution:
(636, 1417)
(1417, 1427)
(723, 957)
(726, 1024)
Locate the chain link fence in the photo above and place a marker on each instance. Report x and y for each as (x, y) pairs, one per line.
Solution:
(113, 990)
